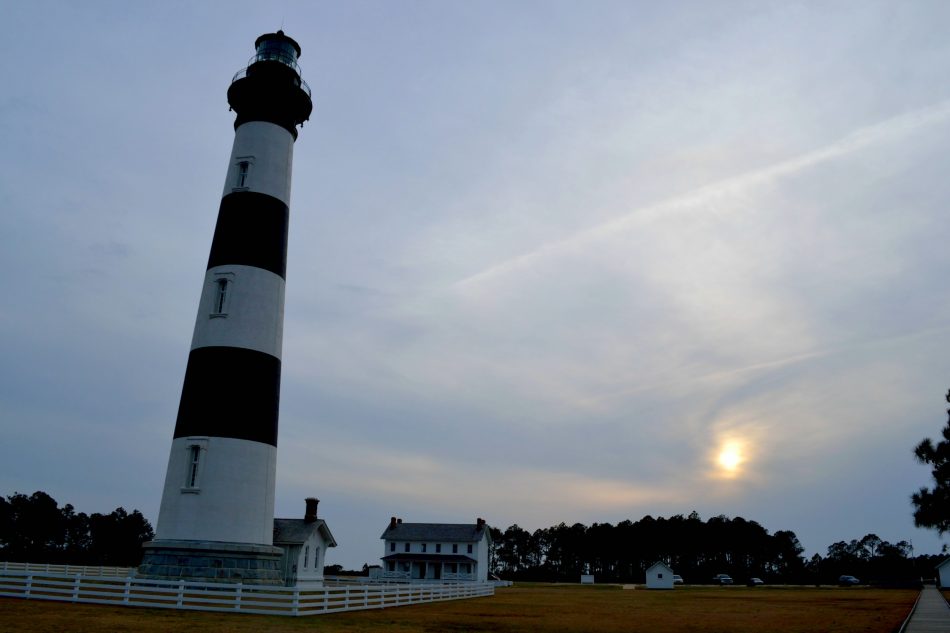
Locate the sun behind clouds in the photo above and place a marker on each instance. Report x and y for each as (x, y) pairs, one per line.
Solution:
(730, 458)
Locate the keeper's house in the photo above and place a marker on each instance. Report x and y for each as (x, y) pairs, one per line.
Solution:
(305, 542)
(435, 552)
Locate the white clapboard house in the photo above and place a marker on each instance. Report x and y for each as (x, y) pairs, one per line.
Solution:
(435, 552)
(305, 542)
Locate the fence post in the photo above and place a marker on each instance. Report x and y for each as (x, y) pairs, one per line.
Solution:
(29, 585)
(76, 582)
(181, 592)
(296, 602)
(237, 597)
(127, 589)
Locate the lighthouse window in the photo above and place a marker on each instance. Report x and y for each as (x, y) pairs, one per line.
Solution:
(242, 172)
(193, 462)
(221, 287)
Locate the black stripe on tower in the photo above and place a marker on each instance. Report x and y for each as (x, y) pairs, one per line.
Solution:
(230, 392)
(251, 231)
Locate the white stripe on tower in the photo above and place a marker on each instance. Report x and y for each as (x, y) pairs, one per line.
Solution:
(220, 482)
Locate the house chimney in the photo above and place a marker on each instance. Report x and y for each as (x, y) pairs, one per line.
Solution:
(311, 514)
(398, 520)
(392, 522)
(480, 523)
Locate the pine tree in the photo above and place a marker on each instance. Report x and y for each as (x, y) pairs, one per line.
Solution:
(933, 504)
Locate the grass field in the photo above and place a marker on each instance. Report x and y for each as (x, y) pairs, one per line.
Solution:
(522, 609)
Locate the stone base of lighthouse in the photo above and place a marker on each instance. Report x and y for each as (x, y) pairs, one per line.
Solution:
(211, 561)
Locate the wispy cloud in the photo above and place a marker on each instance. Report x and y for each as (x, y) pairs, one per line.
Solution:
(706, 198)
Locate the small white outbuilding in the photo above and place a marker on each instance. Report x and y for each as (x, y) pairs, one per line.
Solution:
(659, 576)
(943, 573)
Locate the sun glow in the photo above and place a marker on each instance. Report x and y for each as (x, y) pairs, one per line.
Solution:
(730, 458)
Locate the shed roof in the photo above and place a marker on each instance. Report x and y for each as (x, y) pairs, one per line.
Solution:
(298, 530)
(660, 563)
(436, 532)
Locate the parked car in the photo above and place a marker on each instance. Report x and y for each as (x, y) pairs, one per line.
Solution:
(722, 579)
(677, 579)
(755, 582)
(848, 581)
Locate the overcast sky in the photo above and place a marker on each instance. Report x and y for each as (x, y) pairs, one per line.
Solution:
(548, 260)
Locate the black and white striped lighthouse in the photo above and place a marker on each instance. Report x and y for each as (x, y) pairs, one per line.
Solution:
(217, 514)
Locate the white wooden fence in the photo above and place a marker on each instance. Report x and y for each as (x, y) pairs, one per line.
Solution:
(85, 570)
(293, 601)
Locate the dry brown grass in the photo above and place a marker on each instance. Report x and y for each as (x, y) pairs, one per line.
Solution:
(522, 609)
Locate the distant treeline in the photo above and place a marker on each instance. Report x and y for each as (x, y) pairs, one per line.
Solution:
(697, 550)
(35, 529)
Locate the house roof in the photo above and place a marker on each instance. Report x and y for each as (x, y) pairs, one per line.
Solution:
(445, 558)
(436, 532)
(293, 531)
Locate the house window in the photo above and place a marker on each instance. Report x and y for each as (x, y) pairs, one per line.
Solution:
(659, 575)
(455, 548)
(407, 547)
(306, 556)
(391, 565)
(469, 548)
(194, 460)
(392, 546)
(423, 547)
(438, 548)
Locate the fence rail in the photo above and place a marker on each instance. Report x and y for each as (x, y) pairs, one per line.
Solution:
(292, 601)
(85, 570)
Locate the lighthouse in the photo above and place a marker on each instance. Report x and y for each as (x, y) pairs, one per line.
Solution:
(216, 519)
